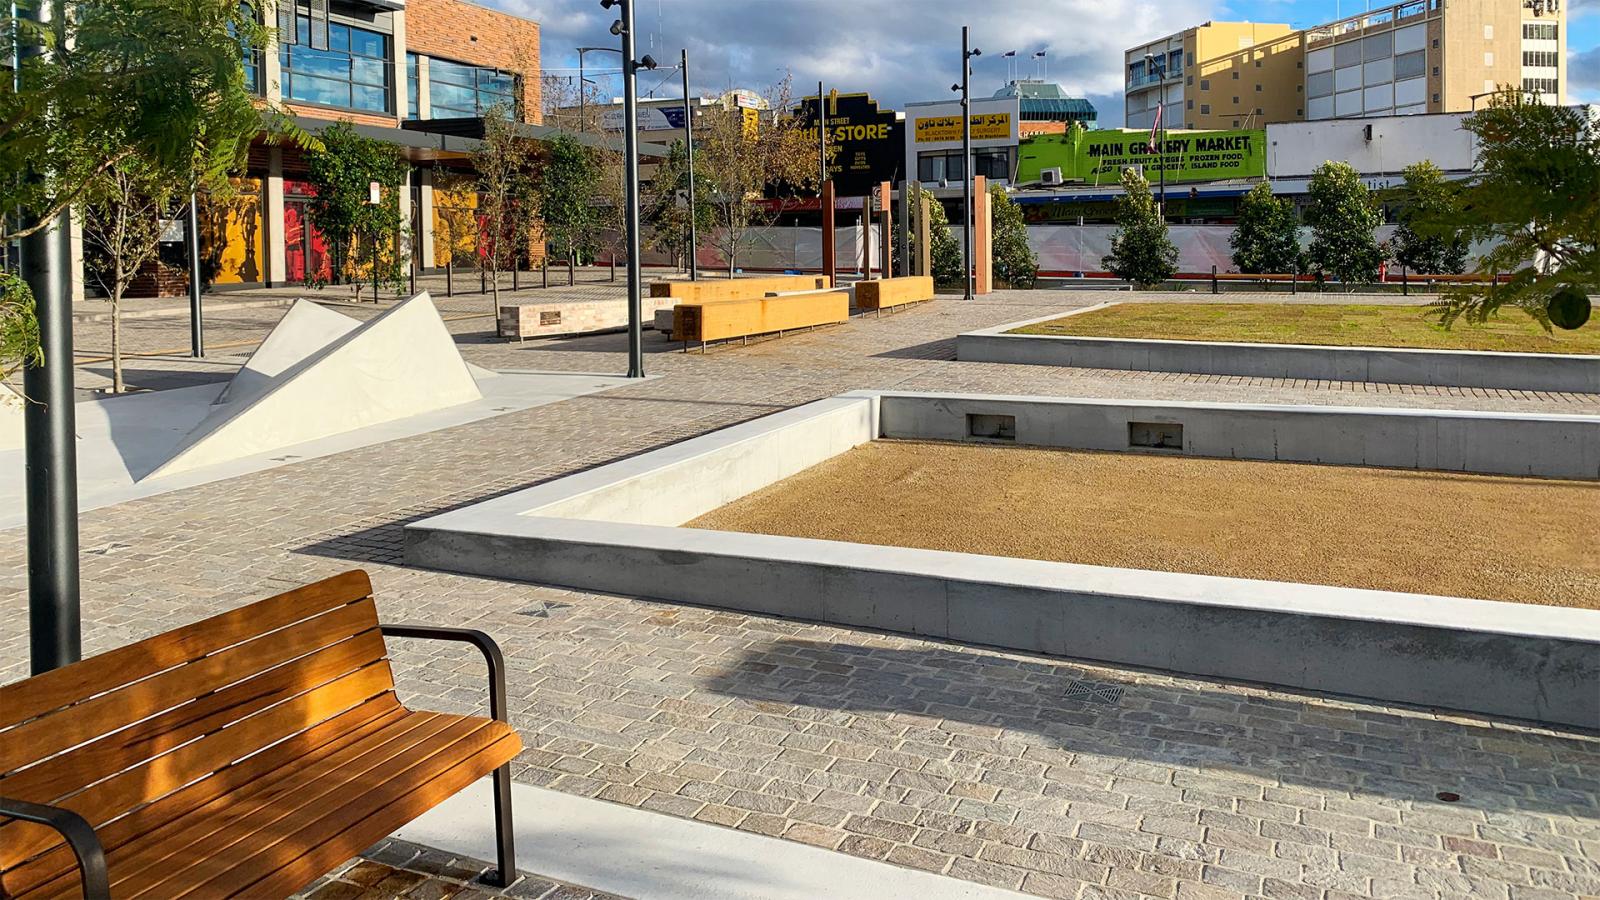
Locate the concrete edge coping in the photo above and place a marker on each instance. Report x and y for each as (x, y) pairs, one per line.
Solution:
(1003, 331)
(517, 515)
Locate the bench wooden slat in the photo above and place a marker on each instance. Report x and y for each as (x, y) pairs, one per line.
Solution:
(241, 854)
(157, 777)
(34, 696)
(372, 828)
(208, 796)
(49, 781)
(257, 808)
(51, 733)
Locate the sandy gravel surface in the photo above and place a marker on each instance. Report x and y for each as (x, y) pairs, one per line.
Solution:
(1519, 539)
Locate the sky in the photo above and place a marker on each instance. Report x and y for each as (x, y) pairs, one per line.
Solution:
(904, 51)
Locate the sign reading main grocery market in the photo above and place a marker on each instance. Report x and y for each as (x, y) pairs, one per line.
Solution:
(1098, 157)
(985, 127)
(868, 144)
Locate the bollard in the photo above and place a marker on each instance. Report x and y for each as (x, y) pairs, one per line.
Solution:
(1405, 283)
(1213, 279)
(449, 274)
(1294, 278)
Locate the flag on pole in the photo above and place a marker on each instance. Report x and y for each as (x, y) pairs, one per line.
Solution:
(1155, 127)
(1039, 55)
(1012, 53)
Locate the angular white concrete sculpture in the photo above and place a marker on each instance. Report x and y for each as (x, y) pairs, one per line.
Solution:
(305, 329)
(400, 364)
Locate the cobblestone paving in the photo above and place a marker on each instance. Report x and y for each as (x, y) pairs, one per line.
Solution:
(1052, 776)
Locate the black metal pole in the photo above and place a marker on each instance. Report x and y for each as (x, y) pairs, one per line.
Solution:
(197, 328)
(688, 146)
(55, 628)
(966, 169)
(630, 149)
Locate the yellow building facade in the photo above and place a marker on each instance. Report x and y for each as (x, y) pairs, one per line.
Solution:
(1422, 56)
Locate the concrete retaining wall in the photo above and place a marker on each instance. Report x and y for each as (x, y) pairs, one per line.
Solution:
(1548, 446)
(1381, 365)
(609, 530)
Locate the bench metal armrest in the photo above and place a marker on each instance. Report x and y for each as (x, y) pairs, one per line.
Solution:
(78, 834)
(490, 649)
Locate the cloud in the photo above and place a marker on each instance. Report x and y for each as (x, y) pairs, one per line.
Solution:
(898, 50)
(1583, 75)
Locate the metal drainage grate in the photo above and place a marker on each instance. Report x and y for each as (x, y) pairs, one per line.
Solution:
(1094, 692)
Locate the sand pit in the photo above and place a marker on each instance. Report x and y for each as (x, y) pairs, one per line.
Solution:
(1524, 540)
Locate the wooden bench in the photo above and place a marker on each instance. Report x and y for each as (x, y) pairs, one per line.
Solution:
(884, 293)
(737, 288)
(241, 756)
(724, 319)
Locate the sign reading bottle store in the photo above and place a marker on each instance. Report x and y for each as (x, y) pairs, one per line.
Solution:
(985, 127)
(867, 144)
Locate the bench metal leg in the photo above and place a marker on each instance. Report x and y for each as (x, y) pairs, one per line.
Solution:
(505, 870)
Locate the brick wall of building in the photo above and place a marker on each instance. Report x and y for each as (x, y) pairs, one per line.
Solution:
(468, 33)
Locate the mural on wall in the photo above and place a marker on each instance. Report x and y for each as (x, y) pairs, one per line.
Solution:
(1098, 157)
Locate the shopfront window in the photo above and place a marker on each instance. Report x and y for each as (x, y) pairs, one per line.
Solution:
(353, 73)
(459, 91)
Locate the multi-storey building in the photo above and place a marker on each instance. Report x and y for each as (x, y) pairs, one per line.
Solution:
(1216, 75)
(1046, 108)
(1420, 56)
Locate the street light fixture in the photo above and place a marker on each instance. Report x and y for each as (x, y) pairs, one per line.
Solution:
(623, 28)
(583, 100)
(1160, 66)
(966, 161)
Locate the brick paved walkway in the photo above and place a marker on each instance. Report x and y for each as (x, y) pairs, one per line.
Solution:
(397, 870)
(1056, 777)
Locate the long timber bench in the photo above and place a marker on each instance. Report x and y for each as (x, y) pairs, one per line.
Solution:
(885, 293)
(737, 288)
(720, 320)
(241, 756)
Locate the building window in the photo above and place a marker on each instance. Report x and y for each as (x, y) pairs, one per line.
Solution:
(413, 86)
(1534, 31)
(1258, 88)
(946, 166)
(1175, 61)
(1236, 101)
(1545, 59)
(1205, 109)
(1259, 111)
(1258, 63)
(458, 91)
(1205, 84)
(1235, 123)
(1300, 112)
(1189, 81)
(252, 55)
(1540, 85)
(353, 73)
(1436, 98)
(1235, 74)
(1135, 73)
(1189, 104)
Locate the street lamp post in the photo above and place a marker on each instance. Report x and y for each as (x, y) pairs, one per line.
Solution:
(623, 28)
(55, 631)
(688, 146)
(966, 162)
(583, 100)
(1161, 116)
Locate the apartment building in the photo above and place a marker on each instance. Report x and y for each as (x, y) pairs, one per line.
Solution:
(1421, 56)
(1218, 75)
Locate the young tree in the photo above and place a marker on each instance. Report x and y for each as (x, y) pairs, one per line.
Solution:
(1343, 218)
(360, 233)
(123, 217)
(1537, 196)
(666, 206)
(123, 78)
(1266, 239)
(568, 184)
(1428, 197)
(1014, 260)
(944, 254)
(505, 194)
(739, 158)
(19, 327)
(1141, 252)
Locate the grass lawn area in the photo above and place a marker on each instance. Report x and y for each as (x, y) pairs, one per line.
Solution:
(1341, 325)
